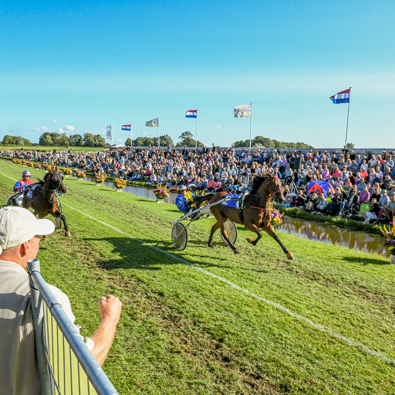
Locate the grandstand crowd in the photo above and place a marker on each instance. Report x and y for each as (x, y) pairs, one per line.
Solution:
(354, 179)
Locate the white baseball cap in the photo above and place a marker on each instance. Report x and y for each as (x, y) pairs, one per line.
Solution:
(18, 225)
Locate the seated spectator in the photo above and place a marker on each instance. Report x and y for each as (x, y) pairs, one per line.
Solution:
(384, 199)
(321, 204)
(19, 242)
(337, 200)
(300, 200)
(311, 204)
(389, 210)
(374, 211)
(351, 203)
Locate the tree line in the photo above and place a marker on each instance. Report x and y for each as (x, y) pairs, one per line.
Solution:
(59, 140)
(265, 142)
(185, 140)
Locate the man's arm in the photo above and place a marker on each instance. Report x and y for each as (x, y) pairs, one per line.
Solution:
(110, 311)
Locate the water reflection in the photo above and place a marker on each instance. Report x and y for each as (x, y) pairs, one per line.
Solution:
(347, 238)
(311, 230)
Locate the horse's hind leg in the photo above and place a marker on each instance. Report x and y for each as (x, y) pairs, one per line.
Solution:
(225, 234)
(269, 230)
(66, 228)
(253, 228)
(214, 228)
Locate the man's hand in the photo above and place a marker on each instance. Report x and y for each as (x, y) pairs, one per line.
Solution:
(110, 311)
(110, 308)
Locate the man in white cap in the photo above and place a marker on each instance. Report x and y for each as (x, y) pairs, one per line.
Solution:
(20, 234)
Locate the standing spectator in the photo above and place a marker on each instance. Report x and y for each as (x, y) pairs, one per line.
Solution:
(19, 242)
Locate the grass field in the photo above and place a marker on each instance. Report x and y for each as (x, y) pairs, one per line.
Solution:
(184, 331)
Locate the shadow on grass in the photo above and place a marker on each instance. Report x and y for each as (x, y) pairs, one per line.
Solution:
(366, 261)
(139, 254)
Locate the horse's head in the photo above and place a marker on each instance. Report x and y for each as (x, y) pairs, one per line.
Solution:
(55, 180)
(275, 188)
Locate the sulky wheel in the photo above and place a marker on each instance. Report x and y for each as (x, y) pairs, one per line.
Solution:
(179, 236)
(231, 230)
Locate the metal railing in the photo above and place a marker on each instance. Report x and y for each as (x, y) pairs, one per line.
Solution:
(65, 364)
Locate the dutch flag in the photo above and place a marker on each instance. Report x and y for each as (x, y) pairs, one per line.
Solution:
(341, 97)
(127, 127)
(191, 114)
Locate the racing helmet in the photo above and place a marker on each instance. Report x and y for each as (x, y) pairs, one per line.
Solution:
(182, 187)
(26, 173)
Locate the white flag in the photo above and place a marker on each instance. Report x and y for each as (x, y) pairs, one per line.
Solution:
(243, 111)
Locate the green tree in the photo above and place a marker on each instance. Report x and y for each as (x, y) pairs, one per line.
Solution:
(166, 141)
(19, 141)
(7, 139)
(99, 141)
(350, 145)
(128, 142)
(147, 141)
(55, 139)
(138, 142)
(76, 140)
(64, 140)
(45, 139)
(187, 140)
(89, 140)
(26, 142)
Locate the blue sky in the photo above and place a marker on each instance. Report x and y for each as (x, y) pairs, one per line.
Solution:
(77, 67)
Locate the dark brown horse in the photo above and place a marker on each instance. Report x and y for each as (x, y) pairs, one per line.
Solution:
(44, 200)
(256, 213)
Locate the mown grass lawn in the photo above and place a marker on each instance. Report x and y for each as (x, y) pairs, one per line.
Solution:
(183, 331)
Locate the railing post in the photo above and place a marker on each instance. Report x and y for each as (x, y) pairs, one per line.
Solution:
(33, 265)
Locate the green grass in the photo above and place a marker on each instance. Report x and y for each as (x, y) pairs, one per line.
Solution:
(185, 332)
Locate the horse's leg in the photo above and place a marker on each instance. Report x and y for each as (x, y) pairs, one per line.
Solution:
(250, 226)
(66, 228)
(269, 230)
(44, 238)
(214, 228)
(225, 234)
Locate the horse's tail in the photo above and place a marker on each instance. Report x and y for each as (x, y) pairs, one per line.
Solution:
(198, 200)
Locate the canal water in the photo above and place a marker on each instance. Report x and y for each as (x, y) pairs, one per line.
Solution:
(315, 231)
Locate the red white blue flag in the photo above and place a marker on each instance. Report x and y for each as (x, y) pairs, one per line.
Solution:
(341, 97)
(191, 114)
(127, 127)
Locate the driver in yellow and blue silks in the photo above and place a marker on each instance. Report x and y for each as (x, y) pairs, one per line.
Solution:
(184, 199)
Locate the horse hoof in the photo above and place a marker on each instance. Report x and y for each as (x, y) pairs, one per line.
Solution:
(250, 239)
(236, 251)
(290, 255)
(210, 245)
(68, 234)
(45, 239)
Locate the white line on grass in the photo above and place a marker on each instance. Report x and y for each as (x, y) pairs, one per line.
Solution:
(246, 291)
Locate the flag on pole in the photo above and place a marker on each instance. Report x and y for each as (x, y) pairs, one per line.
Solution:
(127, 127)
(243, 111)
(341, 97)
(153, 123)
(109, 132)
(191, 114)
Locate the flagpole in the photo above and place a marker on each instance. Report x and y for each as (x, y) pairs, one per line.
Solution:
(131, 138)
(196, 129)
(348, 114)
(112, 136)
(251, 126)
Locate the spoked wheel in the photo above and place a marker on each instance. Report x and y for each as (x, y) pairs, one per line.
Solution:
(179, 236)
(231, 230)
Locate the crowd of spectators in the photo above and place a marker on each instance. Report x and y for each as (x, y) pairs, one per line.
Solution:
(356, 178)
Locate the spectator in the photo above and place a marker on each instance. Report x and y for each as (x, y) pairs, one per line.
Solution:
(321, 204)
(374, 211)
(19, 242)
(389, 210)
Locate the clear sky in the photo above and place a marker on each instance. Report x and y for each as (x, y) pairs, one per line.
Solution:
(78, 66)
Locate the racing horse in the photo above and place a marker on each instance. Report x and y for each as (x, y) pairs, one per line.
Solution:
(255, 214)
(43, 197)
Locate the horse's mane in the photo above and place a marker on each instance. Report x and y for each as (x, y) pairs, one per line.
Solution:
(256, 183)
